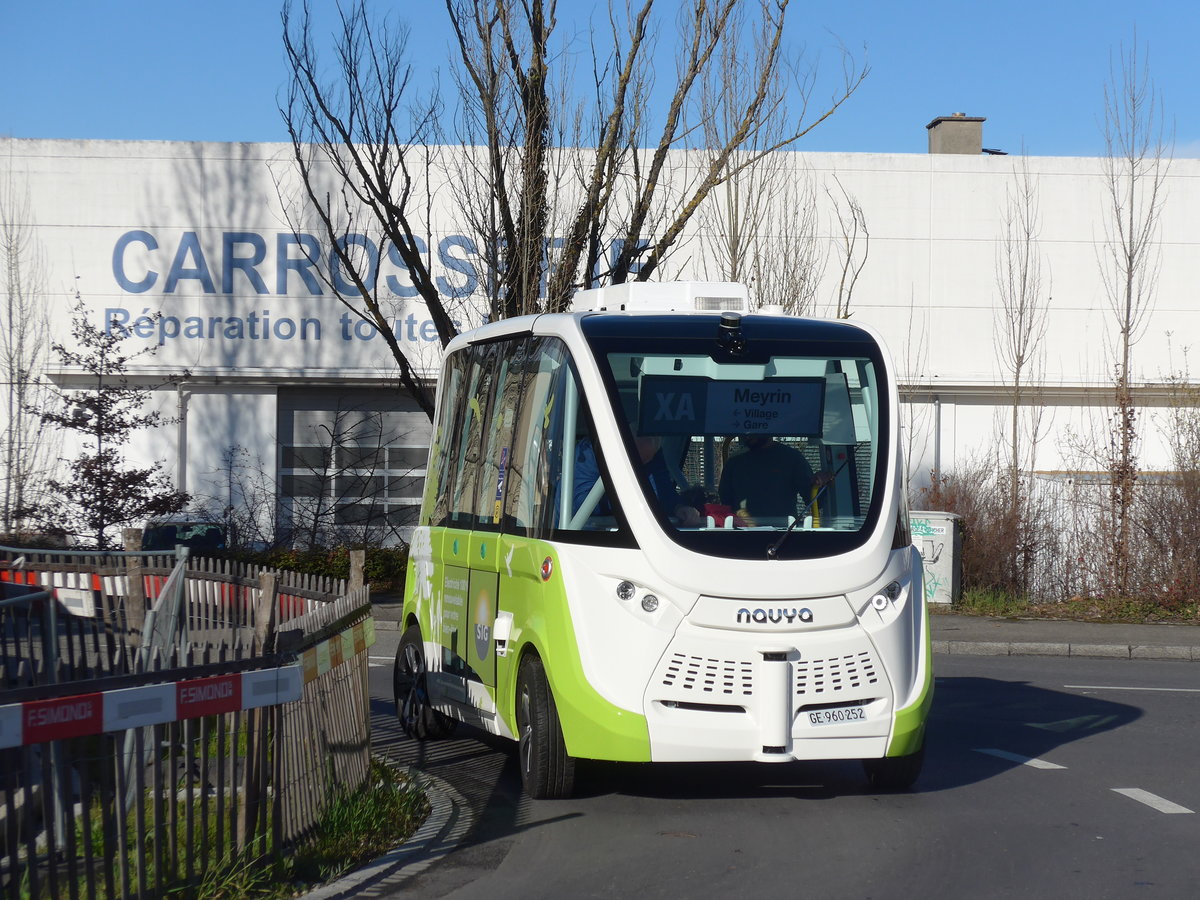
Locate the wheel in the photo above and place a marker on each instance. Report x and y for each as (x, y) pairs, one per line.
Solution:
(547, 771)
(894, 773)
(417, 717)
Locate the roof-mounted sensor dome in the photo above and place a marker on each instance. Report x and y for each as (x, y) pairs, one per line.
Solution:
(666, 296)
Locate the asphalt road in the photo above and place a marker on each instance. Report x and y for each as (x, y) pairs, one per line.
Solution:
(1045, 777)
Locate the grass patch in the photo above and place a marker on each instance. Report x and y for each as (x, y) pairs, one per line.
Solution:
(1126, 610)
(361, 825)
(987, 603)
(1130, 611)
(355, 828)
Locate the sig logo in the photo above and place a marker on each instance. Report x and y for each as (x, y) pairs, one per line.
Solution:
(775, 616)
(483, 626)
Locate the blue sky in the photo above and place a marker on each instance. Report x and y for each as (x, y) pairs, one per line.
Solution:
(211, 70)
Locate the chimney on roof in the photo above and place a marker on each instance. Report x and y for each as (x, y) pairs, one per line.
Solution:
(958, 133)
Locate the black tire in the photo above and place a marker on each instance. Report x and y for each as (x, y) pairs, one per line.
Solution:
(418, 719)
(894, 773)
(547, 771)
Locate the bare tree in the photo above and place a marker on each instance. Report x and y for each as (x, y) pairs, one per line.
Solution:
(335, 489)
(704, 29)
(761, 225)
(762, 228)
(24, 342)
(852, 248)
(636, 181)
(1137, 157)
(505, 77)
(918, 399)
(1019, 325)
(356, 141)
(243, 499)
(1019, 322)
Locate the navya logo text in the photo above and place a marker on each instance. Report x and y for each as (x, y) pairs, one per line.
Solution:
(776, 616)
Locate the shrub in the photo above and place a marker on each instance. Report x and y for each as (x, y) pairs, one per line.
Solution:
(384, 569)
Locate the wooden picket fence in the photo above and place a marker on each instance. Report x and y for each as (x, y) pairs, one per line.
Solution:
(106, 807)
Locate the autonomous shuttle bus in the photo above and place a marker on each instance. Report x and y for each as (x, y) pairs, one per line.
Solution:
(664, 528)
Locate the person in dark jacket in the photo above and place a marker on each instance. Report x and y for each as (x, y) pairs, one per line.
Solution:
(769, 480)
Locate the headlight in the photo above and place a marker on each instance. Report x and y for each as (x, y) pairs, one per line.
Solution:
(884, 599)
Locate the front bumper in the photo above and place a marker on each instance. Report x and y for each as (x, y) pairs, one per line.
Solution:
(770, 697)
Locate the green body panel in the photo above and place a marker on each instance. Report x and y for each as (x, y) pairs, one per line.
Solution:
(909, 731)
(484, 551)
(455, 549)
(509, 568)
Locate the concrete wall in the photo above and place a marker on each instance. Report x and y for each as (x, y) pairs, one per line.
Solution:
(201, 233)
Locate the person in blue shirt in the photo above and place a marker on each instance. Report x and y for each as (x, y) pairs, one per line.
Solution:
(654, 466)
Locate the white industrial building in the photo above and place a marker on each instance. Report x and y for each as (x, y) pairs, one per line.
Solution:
(278, 372)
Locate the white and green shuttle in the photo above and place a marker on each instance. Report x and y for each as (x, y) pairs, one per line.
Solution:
(662, 527)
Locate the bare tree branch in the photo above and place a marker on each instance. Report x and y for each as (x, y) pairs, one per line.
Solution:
(549, 181)
(28, 450)
(1135, 168)
(852, 223)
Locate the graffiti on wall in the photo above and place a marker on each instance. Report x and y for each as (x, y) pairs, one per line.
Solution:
(932, 538)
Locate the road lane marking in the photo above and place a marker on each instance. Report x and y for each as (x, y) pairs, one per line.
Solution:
(1153, 801)
(1031, 761)
(1117, 687)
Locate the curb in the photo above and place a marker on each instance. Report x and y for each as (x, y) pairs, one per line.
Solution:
(1040, 648)
(448, 822)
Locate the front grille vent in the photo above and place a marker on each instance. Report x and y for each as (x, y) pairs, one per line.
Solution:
(734, 677)
(838, 673)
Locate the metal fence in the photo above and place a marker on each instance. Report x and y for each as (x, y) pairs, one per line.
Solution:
(163, 720)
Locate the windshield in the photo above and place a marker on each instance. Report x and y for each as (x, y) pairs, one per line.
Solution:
(733, 449)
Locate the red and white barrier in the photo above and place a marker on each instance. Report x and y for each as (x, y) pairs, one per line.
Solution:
(37, 721)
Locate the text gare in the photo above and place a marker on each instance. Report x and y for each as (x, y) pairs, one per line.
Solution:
(139, 261)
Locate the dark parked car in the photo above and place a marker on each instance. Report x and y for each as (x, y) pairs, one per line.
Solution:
(200, 535)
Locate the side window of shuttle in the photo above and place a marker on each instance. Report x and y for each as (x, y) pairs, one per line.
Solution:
(528, 479)
(439, 480)
(470, 422)
(506, 363)
(554, 462)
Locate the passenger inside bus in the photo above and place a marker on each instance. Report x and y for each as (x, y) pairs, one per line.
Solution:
(764, 481)
(654, 465)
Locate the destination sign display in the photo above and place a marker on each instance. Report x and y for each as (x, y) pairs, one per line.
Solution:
(678, 405)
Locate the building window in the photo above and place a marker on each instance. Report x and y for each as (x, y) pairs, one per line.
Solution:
(351, 466)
